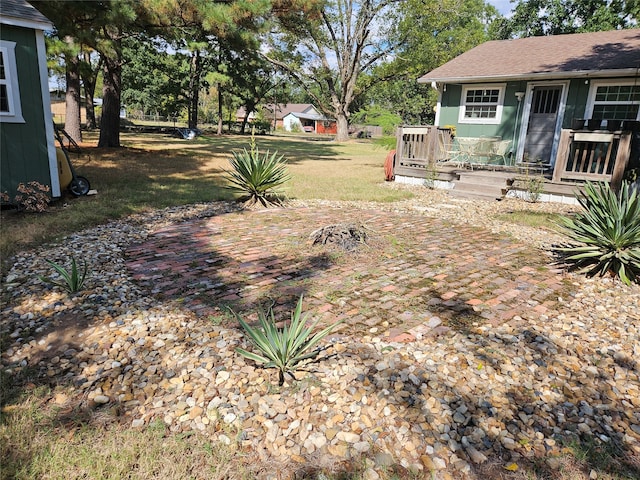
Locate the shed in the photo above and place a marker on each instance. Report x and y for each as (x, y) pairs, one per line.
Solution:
(27, 149)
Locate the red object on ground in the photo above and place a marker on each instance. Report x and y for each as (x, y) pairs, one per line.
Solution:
(389, 163)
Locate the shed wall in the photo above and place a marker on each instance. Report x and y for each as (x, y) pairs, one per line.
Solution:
(23, 146)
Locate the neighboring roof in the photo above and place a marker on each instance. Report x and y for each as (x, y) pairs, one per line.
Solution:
(240, 113)
(21, 14)
(611, 53)
(310, 116)
(282, 110)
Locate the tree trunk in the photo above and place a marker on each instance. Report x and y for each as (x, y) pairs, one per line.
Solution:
(111, 88)
(343, 127)
(194, 88)
(72, 113)
(90, 111)
(89, 81)
(219, 109)
(248, 108)
(245, 119)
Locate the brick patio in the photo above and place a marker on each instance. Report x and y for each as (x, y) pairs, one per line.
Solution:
(416, 276)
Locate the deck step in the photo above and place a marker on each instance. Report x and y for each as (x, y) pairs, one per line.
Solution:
(485, 185)
(485, 177)
(479, 191)
(564, 189)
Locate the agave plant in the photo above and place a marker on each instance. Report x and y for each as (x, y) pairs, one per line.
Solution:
(284, 348)
(72, 281)
(607, 233)
(257, 176)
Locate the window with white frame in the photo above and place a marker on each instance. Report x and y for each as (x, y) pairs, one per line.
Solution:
(10, 107)
(615, 101)
(481, 104)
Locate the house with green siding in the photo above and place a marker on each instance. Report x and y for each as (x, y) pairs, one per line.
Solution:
(528, 90)
(564, 108)
(27, 149)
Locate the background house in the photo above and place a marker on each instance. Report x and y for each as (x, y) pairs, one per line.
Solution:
(27, 150)
(528, 90)
(300, 116)
(59, 106)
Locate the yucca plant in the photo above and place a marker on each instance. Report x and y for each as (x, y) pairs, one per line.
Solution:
(283, 348)
(607, 233)
(72, 281)
(258, 176)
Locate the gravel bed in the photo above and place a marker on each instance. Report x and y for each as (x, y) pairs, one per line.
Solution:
(444, 404)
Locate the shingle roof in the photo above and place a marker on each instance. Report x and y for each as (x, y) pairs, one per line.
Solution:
(556, 55)
(284, 109)
(21, 10)
(310, 116)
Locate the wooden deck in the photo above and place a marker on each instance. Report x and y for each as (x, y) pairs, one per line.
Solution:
(596, 156)
(582, 156)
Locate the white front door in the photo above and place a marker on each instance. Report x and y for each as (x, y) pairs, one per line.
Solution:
(543, 119)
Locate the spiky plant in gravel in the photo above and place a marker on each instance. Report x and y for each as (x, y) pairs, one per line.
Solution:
(285, 348)
(72, 280)
(258, 176)
(606, 233)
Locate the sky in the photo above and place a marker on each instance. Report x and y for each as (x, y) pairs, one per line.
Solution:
(503, 6)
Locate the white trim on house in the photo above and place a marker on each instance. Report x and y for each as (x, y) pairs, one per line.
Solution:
(526, 111)
(46, 112)
(21, 22)
(438, 88)
(499, 104)
(593, 88)
(14, 114)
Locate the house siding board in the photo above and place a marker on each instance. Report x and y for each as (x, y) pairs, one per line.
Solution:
(450, 104)
(576, 101)
(23, 147)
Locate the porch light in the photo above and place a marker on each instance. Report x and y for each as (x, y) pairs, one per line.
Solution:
(519, 96)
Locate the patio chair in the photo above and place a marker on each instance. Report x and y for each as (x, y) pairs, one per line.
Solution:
(502, 152)
(455, 155)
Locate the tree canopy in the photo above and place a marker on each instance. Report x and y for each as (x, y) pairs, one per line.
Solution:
(327, 48)
(346, 56)
(554, 17)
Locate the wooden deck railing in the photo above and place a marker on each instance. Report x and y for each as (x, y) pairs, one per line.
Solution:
(596, 156)
(417, 147)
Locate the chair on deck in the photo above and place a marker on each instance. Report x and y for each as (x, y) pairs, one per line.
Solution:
(502, 152)
(453, 155)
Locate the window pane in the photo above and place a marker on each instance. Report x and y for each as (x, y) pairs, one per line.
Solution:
(480, 111)
(617, 93)
(4, 99)
(616, 112)
(2, 73)
(481, 103)
(482, 96)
